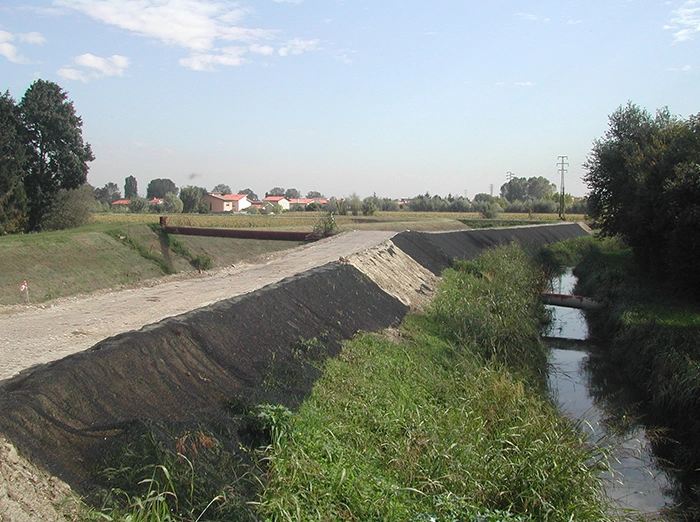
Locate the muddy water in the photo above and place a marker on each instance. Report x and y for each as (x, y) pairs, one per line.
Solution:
(635, 482)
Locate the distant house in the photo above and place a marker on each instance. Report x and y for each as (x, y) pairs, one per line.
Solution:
(124, 202)
(295, 203)
(277, 200)
(156, 201)
(226, 202)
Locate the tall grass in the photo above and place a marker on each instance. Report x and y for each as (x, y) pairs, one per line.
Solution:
(443, 420)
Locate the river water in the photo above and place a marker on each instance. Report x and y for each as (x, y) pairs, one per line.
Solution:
(635, 483)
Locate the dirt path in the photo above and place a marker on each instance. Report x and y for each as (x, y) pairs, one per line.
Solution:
(31, 335)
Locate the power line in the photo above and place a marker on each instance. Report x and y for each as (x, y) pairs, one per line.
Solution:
(562, 164)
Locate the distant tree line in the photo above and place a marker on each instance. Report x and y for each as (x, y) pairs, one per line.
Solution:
(644, 181)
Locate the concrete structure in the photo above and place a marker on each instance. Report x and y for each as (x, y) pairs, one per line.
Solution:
(226, 202)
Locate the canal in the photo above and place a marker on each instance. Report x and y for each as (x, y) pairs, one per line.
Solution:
(604, 413)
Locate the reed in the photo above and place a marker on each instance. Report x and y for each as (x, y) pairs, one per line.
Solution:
(439, 421)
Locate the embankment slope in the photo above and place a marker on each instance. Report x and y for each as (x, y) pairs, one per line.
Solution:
(261, 347)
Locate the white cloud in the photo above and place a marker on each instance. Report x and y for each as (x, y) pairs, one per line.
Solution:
(199, 26)
(33, 38)
(524, 84)
(93, 67)
(230, 56)
(288, 1)
(262, 49)
(685, 22)
(191, 24)
(11, 51)
(685, 68)
(298, 46)
(526, 16)
(72, 74)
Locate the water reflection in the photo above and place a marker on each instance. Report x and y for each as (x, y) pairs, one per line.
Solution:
(634, 481)
(606, 416)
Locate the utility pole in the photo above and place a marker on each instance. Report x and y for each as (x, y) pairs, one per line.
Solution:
(509, 176)
(491, 189)
(562, 164)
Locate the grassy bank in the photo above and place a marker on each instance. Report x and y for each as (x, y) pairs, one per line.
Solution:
(118, 250)
(111, 255)
(445, 418)
(651, 336)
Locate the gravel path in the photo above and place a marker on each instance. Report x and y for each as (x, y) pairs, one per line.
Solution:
(31, 335)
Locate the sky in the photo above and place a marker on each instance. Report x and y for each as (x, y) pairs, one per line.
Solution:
(386, 97)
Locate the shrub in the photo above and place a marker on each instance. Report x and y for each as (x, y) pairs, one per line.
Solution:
(70, 209)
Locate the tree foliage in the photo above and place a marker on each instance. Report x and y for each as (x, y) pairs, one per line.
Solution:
(172, 204)
(522, 189)
(138, 205)
(314, 194)
(108, 194)
(252, 196)
(644, 179)
(159, 187)
(222, 188)
(71, 208)
(57, 158)
(131, 189)
(292, 193)
(192, 199)
(13, 199)
(275, 191)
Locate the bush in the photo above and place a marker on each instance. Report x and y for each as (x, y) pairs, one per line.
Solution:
(138, 205)
(172, 204)
(545, 206)
(488, 210)
(70, 209)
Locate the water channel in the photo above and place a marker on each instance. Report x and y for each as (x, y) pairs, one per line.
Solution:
(636, 483)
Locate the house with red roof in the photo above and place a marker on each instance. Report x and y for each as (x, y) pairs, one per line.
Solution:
(296, 203)
(226, 202)
(277, 200)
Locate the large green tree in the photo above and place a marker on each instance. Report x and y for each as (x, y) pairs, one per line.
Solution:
(13, 199)
(57, 157)
(222, 188)
(159, 187)
(643, 176)
(131, 189)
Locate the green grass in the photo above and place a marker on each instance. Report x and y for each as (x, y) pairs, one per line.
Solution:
(442, 421)
(435, 421)
(111, 255)
(126, 249)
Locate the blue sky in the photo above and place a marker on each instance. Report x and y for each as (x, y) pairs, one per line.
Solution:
(396, 98)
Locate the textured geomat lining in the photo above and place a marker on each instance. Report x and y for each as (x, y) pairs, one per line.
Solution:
(66, 414)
